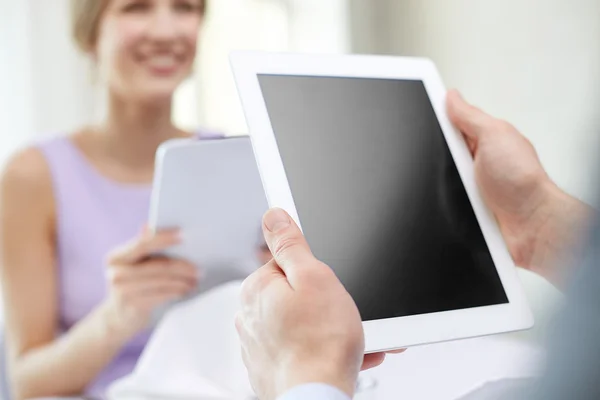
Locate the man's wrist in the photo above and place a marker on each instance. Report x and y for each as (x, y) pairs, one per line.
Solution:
(553, 236)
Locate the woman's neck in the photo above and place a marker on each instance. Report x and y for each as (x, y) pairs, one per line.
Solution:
(132, 132)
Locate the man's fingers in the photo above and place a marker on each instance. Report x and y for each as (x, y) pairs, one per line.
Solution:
(258, 281)
(470, 120)
(376, 359)
(372, 360)
(286, 242)
(399, 351)
(239, 325)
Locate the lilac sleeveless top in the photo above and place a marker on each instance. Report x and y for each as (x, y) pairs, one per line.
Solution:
(94, 215)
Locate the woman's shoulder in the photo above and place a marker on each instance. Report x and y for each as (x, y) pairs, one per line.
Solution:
(27, 166)
(26, 177)
(32, 164)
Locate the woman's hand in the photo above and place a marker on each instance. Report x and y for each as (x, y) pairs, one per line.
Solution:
(140, 282)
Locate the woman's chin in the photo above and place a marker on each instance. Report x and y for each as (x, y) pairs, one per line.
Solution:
(155, 97)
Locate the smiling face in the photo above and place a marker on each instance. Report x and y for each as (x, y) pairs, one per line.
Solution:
(146, 48)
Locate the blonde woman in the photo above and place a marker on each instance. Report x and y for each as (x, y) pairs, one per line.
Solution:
(78, 301)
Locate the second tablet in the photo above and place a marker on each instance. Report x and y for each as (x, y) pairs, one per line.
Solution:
(211, 190)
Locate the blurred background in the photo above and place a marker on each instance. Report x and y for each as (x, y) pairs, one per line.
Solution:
(535, 63)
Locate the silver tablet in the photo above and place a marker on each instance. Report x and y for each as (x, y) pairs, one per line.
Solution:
(211, 190)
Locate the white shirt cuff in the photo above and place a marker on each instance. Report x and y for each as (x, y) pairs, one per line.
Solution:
(314, 391)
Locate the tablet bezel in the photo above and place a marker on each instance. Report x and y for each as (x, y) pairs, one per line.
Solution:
(392, 333)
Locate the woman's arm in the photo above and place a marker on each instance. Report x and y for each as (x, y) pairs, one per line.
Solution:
(40, 364)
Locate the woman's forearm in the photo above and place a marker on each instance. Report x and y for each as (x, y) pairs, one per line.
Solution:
(67, 366)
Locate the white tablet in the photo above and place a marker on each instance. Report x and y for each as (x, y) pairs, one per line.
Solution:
(359, 150)
(211, 190)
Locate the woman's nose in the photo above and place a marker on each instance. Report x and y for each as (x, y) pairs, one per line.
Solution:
(163, 25)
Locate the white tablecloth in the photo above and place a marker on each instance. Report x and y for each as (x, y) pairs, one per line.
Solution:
(195, 354)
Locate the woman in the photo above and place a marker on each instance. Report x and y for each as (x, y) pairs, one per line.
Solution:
(69, 204)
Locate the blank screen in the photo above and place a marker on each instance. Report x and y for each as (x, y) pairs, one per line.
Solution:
(378, 194)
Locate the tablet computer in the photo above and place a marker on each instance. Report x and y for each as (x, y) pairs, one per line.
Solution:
(211, 190)
(360, 152)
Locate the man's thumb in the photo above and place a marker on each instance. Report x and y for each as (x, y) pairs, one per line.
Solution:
(286, 242)
(470, 120)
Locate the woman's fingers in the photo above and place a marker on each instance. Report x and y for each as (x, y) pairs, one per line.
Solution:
(155, 269)
(148, 245)
(149, 301)
(154, 287)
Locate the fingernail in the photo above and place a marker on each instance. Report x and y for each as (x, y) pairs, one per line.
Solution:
(145, 231)
(276, 220)
(178, 236)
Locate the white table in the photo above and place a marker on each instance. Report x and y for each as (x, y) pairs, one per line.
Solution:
(444, 371)
(448, 371)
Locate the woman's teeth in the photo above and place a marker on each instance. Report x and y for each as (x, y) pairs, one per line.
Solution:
(162, 62)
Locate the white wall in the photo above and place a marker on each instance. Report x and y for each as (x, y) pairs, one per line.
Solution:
(234, 25)
(45, 85)
(271, 25)
(62, 77)
(16, 91)
(534, 62)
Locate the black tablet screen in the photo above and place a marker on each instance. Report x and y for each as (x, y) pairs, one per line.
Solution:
(378, 194)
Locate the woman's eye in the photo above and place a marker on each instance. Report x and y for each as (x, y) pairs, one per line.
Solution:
(186, 6)
(136, 6)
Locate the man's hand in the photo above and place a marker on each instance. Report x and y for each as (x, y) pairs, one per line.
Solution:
(298, 324)
(540, 223)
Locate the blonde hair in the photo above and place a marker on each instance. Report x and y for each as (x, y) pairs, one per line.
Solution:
(85, 21)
